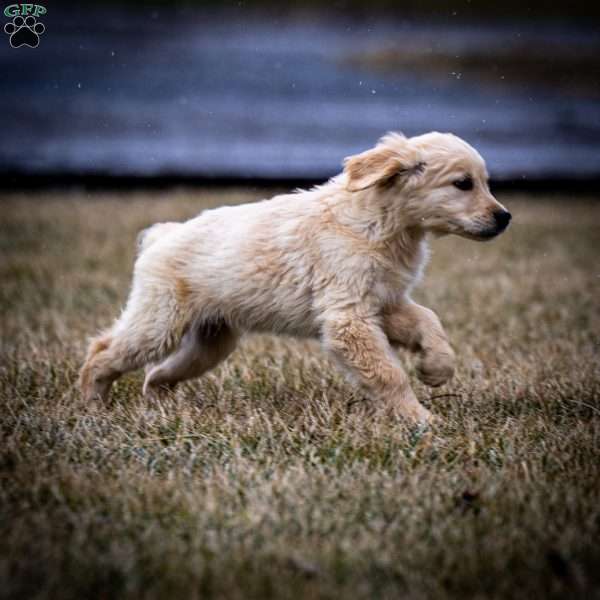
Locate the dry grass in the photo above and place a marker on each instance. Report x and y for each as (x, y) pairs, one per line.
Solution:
(262, 479)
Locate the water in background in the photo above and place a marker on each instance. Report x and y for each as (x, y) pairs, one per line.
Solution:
(151, 93)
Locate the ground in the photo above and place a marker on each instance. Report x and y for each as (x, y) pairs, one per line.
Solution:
(267, 478)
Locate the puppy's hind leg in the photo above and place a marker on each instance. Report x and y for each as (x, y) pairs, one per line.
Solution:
(93, 385)
(113, 355)
(202, 348)
(109, 357)
(174, 368)
(144, 333)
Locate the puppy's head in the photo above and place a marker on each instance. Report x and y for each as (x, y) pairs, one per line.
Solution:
(436, 182)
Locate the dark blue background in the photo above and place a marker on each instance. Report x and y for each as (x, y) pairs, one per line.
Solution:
(152, 91)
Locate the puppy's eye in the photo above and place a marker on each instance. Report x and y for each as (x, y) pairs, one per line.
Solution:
(465, 184)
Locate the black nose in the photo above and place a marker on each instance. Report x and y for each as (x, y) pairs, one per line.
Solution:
(502, 218)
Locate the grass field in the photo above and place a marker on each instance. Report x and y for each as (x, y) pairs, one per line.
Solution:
(264, 479)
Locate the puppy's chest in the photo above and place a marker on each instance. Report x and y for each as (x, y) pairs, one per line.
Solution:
(390, 287)
(399, 272)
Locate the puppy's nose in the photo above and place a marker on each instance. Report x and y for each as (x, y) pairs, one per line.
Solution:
(502, 218)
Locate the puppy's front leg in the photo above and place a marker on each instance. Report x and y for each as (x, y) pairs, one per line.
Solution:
(359, 345)
(420, 330)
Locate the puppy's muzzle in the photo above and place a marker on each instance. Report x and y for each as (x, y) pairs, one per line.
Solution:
(502, 219)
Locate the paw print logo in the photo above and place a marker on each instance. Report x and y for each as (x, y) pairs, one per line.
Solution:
(24, 31)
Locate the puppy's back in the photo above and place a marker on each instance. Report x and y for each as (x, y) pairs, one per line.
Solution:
(152, 234)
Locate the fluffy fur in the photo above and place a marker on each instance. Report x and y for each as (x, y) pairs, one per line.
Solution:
(337, 262)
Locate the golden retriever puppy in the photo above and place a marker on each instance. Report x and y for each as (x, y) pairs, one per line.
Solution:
(337, 262)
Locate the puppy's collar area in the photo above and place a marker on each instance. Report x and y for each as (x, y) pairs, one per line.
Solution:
(382, 249)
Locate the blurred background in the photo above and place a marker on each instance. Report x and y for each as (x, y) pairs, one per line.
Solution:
(252, 91)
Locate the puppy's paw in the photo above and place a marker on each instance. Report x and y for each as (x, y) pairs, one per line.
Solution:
(149, 382)
(157, 381)
(409, 410)
(436, 368)
(95, 389)
(419, 416)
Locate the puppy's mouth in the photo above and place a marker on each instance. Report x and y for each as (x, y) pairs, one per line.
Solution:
(483, 235)
(501, 221)
(488, 234)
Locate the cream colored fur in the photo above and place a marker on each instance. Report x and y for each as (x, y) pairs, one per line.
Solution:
(337, 262)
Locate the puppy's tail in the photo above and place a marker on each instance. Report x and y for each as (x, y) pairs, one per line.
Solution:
(151, 234)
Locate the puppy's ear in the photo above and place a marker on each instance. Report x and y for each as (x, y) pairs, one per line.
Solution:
(373, 167)
(382, 164)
